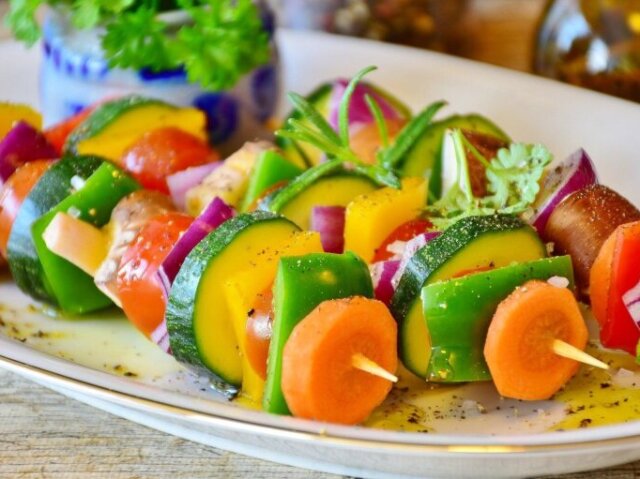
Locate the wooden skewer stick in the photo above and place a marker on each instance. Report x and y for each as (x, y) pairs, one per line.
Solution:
(363, 363)
(566, 350)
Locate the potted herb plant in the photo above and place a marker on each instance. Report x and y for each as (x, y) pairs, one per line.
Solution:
(218, 55)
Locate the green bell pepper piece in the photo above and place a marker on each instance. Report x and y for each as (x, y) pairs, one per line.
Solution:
(270, 169)
(301, 284)
(458, 313)
(73, 289)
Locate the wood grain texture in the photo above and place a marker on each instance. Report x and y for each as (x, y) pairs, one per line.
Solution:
(45, 435)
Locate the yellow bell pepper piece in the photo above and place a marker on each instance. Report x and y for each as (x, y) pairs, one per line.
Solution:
(80, 243)
(11, 113)
(123, 132)
(242, 290)
(370, 218)
(229, 181)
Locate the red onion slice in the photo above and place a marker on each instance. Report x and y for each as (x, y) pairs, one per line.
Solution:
(358, 110)
(160, 336)
(213, 216)
(411, 248)
(21, 145)
(631, 301)
(329, 222)
(573, 174)
(382, 274)
(182, 181)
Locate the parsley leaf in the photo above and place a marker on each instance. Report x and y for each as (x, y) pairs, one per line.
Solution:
(21, 19)
(225, 41)
(218, 43)
(138, 35)
(514, 174)
(513, 182)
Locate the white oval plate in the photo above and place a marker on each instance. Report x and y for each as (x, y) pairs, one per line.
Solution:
(73, 357)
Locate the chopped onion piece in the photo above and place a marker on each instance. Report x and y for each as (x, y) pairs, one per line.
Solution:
(558, 282)
(631, 300)
(382, 274)
(160, 336)
(573, 174)
(182, 181)
(21, 145)
(329, 222)
(358, 110)
(411, 247)
(213, 216)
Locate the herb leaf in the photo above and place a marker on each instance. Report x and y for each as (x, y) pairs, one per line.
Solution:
(21, 19)
(225, 41)
(378, 116)
(407, 137)
(314, 129)
(220, 41)
(513, 181)
(513, 176)
(345, 102)
(138, 34)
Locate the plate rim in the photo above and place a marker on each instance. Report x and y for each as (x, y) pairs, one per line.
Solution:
(129, 392)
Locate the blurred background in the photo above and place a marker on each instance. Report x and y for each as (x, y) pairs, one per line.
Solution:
(590, 43)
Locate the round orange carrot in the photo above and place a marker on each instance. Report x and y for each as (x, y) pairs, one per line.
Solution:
(319, 380)
(519, 343)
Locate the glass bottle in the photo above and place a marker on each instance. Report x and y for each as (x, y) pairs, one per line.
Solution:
(592, 43)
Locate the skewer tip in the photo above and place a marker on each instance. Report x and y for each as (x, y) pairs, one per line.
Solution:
(566, 350)
(363, 363)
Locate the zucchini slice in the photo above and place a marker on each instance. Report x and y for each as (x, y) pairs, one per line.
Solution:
(327, 184)
(112, 127)
(472, 243)
(49, 191)
(198, 317)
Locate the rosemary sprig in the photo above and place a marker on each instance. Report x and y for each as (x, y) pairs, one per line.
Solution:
(317, 131)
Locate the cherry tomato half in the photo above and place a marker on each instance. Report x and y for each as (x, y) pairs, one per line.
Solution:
(139, 289)
(162, 152)
(57, 134)
(14, 191)
(404, 232)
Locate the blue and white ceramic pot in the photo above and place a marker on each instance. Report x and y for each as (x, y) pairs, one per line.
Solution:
(75, 74)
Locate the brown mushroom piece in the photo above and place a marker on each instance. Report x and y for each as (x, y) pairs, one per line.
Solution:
(127, 219)
(581, 223)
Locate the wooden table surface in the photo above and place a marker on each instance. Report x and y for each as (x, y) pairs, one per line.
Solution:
(46, 435)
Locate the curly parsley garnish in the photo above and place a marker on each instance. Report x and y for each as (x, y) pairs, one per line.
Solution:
(513, 178)
(217, 43)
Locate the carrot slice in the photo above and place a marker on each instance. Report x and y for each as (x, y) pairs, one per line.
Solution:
(319, 380)
(518, 349)
(14, 192)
